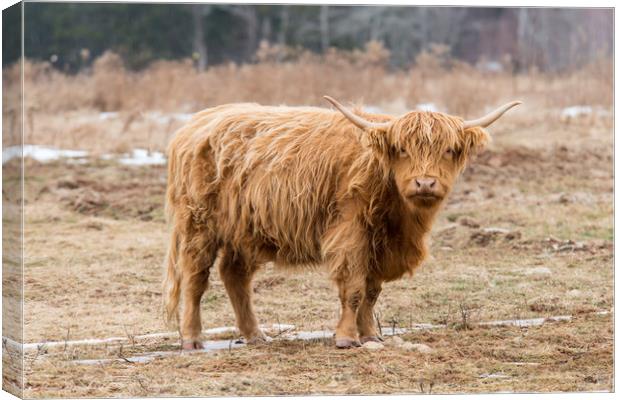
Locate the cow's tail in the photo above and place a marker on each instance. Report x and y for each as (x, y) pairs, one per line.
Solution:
(172, 274)
(172, 281)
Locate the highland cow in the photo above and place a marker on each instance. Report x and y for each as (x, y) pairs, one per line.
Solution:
(299, 186)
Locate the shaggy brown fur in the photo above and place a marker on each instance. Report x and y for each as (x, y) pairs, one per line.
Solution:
(301, 186)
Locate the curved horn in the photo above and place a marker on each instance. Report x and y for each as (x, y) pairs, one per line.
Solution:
(490, 117)
(356, 119)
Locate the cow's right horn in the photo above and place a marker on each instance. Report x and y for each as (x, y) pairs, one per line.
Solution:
(490, 117)
(356, 119)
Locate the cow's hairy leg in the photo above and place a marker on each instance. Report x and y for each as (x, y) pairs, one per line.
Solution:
(237, 274)
(366, 325)
(195, 263)
(351, 293)
(195, 270)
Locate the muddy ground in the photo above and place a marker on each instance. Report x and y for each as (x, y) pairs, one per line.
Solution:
(527, 233)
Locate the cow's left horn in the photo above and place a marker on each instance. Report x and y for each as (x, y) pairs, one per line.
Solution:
(490, 117)
(356, 119)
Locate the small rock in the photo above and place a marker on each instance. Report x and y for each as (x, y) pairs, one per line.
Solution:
(373, 345)
(591, 379)
(480, 238)
(407, 346)
(95, 225)
(513, 235)
(419, 347)
(575, 197)
(469, 222)
(332, 384)
(67, 184)
(574, 293)
(496, 230)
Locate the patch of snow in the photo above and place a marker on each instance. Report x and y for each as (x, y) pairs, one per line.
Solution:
(165, 118)
(183, 116)
(143, 157)
(394, 331)
(493, 376)
(576, 111)
(427, 107)
(373, 109)
(276, 328)
(48, 345)
(40, 153)
(491, 66)
(145, 358)
(283, 331)
(526, 322)
(280, 328)
(417, 327)
(311, 335)
(573, 112)
(108, 115)
(10, 153)
(209, 346)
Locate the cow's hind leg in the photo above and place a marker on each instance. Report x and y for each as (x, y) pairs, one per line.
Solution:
(196, 259)
(236, 273)
(366, 325)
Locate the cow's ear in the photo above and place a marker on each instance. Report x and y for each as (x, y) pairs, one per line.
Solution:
(377, 139)
(475, 140)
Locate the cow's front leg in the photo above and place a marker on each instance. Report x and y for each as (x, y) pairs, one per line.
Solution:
(351, 295)
(366, 324)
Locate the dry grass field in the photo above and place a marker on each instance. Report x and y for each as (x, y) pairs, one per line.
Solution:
(527, 233)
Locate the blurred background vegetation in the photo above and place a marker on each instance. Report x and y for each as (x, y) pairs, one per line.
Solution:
(71, 35)
(145, 68)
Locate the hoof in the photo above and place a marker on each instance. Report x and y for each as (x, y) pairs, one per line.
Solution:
(371, 339)
(192, 345)
(347, 343)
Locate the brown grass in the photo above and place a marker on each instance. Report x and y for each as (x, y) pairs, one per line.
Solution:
(63, 110)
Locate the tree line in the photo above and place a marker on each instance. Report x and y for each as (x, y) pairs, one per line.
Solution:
(71, 35)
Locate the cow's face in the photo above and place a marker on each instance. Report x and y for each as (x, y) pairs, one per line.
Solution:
(427, 151)
(424, 151)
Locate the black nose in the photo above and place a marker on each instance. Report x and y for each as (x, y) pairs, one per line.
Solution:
(425, 184)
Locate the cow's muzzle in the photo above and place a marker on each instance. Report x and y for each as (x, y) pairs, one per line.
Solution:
(424, 191)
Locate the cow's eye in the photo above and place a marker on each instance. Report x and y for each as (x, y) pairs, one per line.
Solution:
(449, 154)
(402, 153)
